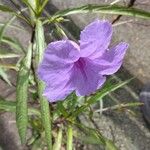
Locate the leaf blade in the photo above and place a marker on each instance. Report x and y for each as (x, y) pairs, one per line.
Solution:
(22, 95)
(10, 106)
(45, 110)
(100, 95)
(106, 9)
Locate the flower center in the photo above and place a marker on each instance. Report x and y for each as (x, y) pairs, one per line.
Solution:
(80, 63)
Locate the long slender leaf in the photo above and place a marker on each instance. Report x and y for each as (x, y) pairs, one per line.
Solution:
(13, 26)
(106, 9)
(94, 136)
(30, 4)
(7, 105)
(8, 55)
(4, 76)
(99, 95)
(6, 9)
(3, 28)
(10, 10)
(110, 145)
(13, 43)
(106, 90)
(10, 106)
(42, 6)
(9, 66)
(22, 95)
(45, 110)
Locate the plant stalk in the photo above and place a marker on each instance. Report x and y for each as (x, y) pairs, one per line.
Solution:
(69, 138)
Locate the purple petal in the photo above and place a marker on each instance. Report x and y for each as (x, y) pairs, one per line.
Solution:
(95, 38)
(65, 51)
(112, 59)
(60, 90)
(86, 78)
(58, 58)
(56, 69)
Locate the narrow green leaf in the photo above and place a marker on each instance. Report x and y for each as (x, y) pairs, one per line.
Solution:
(62, 109)
(99, 95)
(8, 55)
(106, 9)
(13, 43)
(42, 6)
(110, 145)
(106, 90)
(13, 26)
(94, 136)
(4, 76)
(91, 133)
(87, 139)
(30, 4)
(10, 10)
(121, 106)
(7, 105)
(45, 110)
(10, 106)
(6, 9)
(3, 28)
(9, 66)
(22, 95)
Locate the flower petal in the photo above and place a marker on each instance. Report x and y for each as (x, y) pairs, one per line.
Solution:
(58, 87)
(58, 58)
(111, 60)
(86, 78)
(95, 38)
(55, 69)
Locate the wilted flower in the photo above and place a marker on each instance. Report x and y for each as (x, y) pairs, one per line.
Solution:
(68, 67)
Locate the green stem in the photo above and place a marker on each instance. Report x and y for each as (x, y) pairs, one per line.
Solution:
(57, 145)
(69, 138)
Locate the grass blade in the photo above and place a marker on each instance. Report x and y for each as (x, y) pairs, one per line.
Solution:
(45, 110)
(106, 9)
(22, 95)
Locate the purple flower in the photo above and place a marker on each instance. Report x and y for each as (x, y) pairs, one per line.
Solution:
(68, 67)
